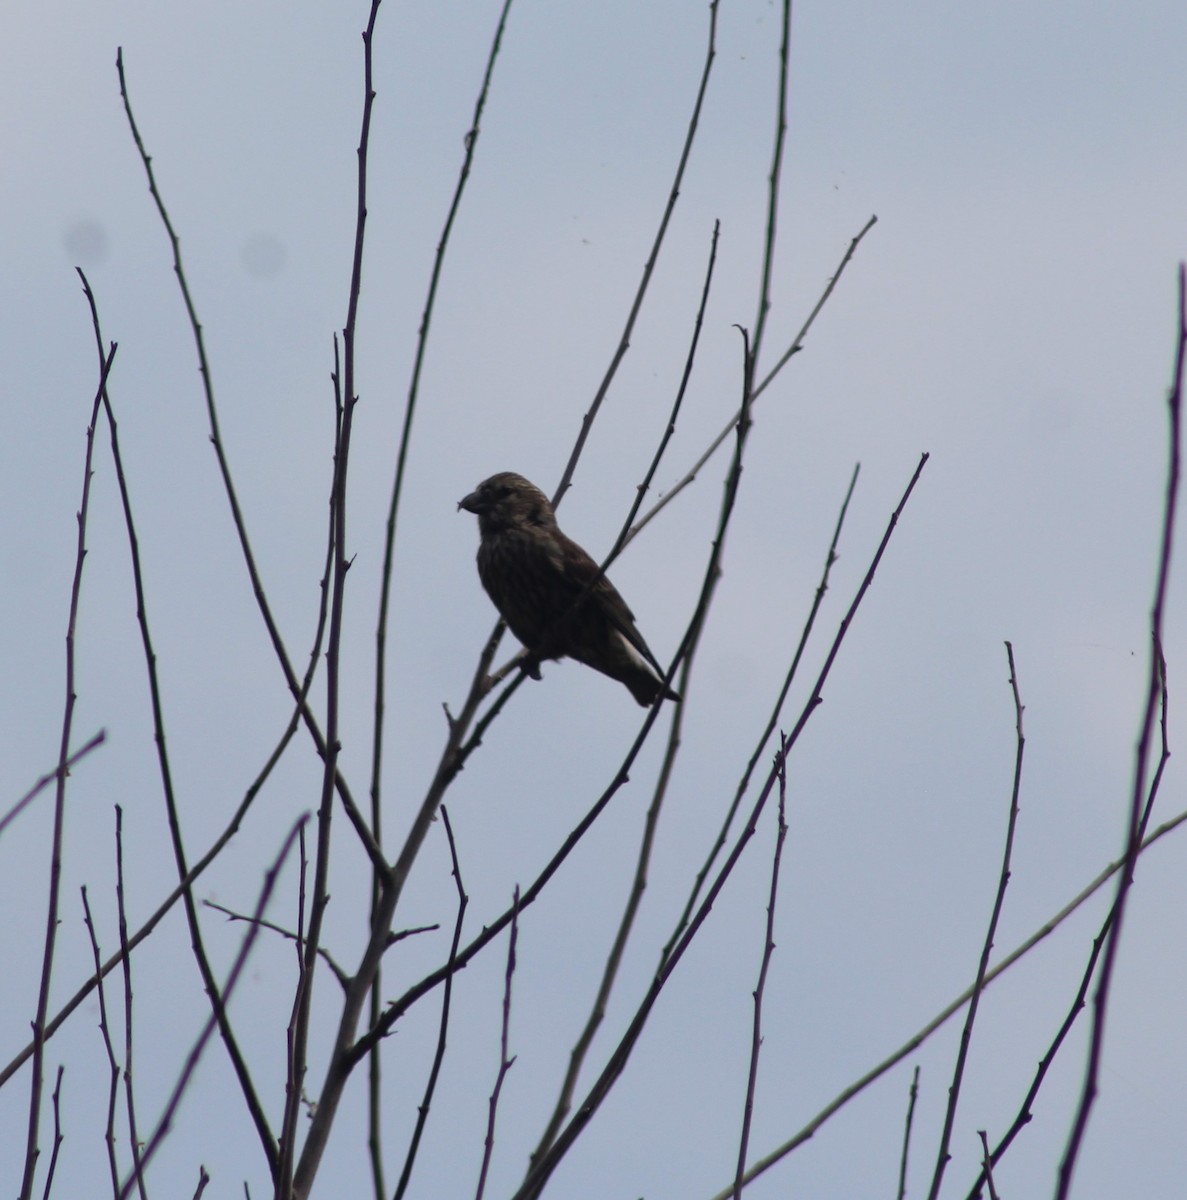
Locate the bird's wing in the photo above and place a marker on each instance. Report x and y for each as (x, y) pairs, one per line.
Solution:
(578, 569)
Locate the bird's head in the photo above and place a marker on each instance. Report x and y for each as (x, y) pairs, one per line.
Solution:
(507, 500)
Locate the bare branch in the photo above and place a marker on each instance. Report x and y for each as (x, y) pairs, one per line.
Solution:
(129, 1092)
(422, 1112)
(913, 1095)
(505, 1062)
(760, 989)
(966, 1033)
(55, 868)
(113, 1069)
(48, 778)
(1100, 999)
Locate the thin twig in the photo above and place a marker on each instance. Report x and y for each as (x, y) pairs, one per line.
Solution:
(773, 182)
(48, 778)
(912, 1096)
(59, 1136)
(203, 1180)
(505, 1062)
(687, 647)
(966, 1034)
(1100, 999)
(986, 1164)
(55, 869)
(457, 749)
(113, 1067)
(422, 1112)
(231, 915)
(759, 991)
(129, 1092)
(304, 994)
(198, 1049)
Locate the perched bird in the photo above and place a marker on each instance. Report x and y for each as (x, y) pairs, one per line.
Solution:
(540, 582)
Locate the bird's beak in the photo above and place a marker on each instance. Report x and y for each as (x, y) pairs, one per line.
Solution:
(472, 503)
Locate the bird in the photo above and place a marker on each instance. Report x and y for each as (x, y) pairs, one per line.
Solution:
(550, 593)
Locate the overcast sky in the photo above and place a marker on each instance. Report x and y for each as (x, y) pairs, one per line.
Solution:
(1011, 313)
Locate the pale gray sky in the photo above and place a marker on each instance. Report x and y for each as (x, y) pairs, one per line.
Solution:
(1012, 313)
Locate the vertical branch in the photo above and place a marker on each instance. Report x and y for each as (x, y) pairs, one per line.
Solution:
(1100, 999)
(760, 989)
(59, 1136)
(292, 1083)
(55, 868)
(987, 1164)
(422, 1113)
(902, 1168)
(966, 1033)
(129, 1093)
(113, 1068)
(304, 999)
(768, 254)
(505, 1063)
(1023, 1116)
